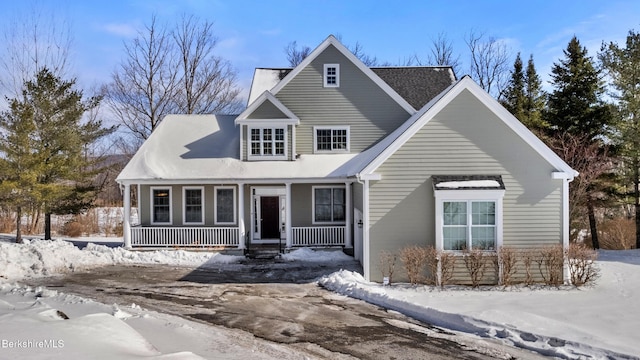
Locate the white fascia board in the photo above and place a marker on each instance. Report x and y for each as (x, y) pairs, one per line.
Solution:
(265, 96)
(280, 181)
(331, 40)
(372, 177)
(417, 121)
(560, 175)
(268, 122)
(515, 125)
(428, 111)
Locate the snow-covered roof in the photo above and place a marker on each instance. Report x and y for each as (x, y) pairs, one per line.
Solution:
(467, 182)
(265, 80)
(206, 148)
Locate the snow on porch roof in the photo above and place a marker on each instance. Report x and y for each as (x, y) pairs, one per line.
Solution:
(468, 182)
(207, 148)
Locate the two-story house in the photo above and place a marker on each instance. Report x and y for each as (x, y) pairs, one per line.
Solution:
(333, 153)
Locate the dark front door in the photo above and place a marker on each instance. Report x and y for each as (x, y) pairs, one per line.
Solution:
(270, 222)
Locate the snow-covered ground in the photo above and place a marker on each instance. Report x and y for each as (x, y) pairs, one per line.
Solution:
(600, 322)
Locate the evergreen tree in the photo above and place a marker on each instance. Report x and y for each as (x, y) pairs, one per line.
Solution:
(524, 97)
(514, 95)
(575, 110)
(623, 68)
(575, 105)
(534, 99)
(44, 143)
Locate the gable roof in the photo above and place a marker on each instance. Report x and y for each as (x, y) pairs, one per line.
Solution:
(267, 97)
(375, 156)
(332, 41)
(197, 149)
(417, 84)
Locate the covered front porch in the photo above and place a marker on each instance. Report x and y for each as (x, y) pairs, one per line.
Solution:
(238, 216)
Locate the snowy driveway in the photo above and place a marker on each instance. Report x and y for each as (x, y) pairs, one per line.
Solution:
(278, 302)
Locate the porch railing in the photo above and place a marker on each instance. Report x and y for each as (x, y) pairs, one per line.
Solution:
(318, 236)
(184, 236)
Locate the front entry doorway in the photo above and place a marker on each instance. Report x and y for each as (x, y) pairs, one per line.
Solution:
(270, 221)
(268, 214)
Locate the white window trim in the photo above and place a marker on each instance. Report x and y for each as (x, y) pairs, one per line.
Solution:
(151, 205)
(315, 139)
(267, 157)
(443, 196)
(215, 205)
(313, 204)
(325, 76)
(184, 205)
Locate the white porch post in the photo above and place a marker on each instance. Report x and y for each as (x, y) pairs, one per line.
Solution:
(348, 210)
(366, 266)
(287, 211)
(241, 228)
(126, 223)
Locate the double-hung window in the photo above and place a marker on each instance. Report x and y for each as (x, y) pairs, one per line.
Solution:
(329, 204)
(267, 143)
(468, 212)
(161, 205)
(331, 139)
(225, 205)
(193, 201)
(331, 75)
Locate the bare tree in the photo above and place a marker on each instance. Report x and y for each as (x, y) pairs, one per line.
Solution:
(36, 39)
(170, 71)
(143, 85)
(207, 82)
(294, 54)
(489, 62)
(442, 53)
(591, 159)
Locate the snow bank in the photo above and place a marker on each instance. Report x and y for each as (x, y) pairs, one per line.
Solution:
(310, 255)
(599, 322)
(48, 257)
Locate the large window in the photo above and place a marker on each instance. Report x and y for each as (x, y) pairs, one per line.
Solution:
(225, 205)
(331, 139)
(161, 205)
(331, 75)
(329, 204)
(468, 212)
(469, 225)
(193, 200)
(267, 143)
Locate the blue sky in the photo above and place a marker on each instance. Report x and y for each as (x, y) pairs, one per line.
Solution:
(254, 33)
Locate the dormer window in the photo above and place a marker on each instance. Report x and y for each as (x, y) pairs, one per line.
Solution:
(331, 75)
(267, 143)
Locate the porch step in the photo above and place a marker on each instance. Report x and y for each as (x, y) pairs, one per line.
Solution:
(263, 252)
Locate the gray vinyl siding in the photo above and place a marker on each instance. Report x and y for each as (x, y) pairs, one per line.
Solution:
(357, 196)
(301, 205)
(358, 102)
(267, 110)
(465, 138)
